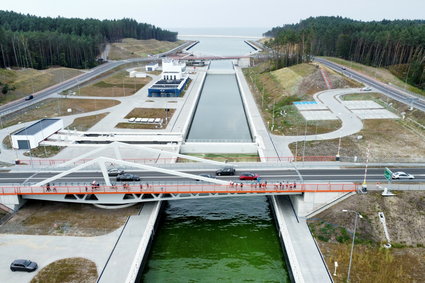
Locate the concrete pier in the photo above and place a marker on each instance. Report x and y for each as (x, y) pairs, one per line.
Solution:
(132, 247)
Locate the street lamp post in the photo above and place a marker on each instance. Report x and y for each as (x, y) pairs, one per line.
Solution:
(358, 215)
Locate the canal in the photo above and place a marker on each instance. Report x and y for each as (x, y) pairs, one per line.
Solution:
(219, 239)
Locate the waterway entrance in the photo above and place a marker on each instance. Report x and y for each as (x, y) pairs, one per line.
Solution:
(219, 239)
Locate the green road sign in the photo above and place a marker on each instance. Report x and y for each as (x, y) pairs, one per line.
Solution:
(388, 174)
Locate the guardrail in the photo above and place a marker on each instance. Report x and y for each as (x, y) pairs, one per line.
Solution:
(53, 162)
(145, 188)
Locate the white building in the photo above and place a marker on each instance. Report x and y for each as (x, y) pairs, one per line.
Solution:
(151, 67)
(31, 136)
(137, 74)
(172, 69)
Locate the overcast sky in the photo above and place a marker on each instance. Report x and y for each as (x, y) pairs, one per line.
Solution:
(220, 13)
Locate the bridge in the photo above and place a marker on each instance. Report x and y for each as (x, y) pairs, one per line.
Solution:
(207, 58)
(145, 192)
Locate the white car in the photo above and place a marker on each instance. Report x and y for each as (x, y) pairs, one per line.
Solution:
(366, 88)
(402, 175)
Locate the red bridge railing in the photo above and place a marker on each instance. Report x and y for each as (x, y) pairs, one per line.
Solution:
(246, 188)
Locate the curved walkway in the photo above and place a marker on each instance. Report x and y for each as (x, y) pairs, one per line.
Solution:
(351, 124)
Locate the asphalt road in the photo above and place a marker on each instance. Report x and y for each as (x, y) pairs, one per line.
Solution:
(410, 100)
(309, 175)
(41, 95)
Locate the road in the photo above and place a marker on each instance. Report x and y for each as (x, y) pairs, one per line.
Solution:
(41, 95)
(411, 100)
(269, 175)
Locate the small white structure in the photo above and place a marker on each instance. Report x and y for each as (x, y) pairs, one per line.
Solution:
(172, 69)
(137, 74)
(151, 67)
(31, 136)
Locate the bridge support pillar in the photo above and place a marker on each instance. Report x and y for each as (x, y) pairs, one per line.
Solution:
(11, 202)
(309, 204)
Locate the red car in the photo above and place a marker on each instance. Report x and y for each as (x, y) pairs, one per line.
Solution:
(248, 176)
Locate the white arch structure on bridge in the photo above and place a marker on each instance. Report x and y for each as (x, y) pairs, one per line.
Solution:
(102, 163)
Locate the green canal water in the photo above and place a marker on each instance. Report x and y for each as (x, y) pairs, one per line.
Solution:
(211, 240)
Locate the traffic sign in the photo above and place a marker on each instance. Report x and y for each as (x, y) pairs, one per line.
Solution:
(388, 174)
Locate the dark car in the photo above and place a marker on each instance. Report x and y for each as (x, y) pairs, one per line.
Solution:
(115, 172)
(127, 177)
(23, 265)
(248, 176)
(29, 97)
(206, 176)
(225, 171)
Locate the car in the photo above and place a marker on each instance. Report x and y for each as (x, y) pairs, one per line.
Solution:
(225, 171)
(23, 265)
(366, 88)
(248, 176)
(402, 175)
(206, 176)
(29, 97)
(115, 172)
(343, 68)
(127, 177)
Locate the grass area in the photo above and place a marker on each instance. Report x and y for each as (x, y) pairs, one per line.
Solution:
(44, 151)
(7, 142)
(292, 123)
(130, 48)
(71, 219)
(141, 126)
(276, 91)
(186, 87)
(86, 122)
(405, 219)
(150, 113)
(68, 270)
(381, 74)
(147, 113)
(55, 107)
(387, 139)
(224, 157)
(116, 85)
(28, 81)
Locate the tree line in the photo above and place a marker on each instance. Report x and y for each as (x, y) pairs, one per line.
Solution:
(40, 42)
(399, 43)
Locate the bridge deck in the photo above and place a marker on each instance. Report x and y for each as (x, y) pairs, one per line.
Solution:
(144, 188)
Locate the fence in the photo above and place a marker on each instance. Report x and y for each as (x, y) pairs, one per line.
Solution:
(54, 162)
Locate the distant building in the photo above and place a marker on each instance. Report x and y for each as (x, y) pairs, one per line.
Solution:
(151, 67)
(31, 136)
(172, 82)
(137, 74)
(172, 69)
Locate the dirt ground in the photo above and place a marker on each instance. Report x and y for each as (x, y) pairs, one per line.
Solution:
(68, 219)
(405, 218)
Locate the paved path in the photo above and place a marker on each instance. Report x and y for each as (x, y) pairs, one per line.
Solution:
(351, 124)
(47, 249)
